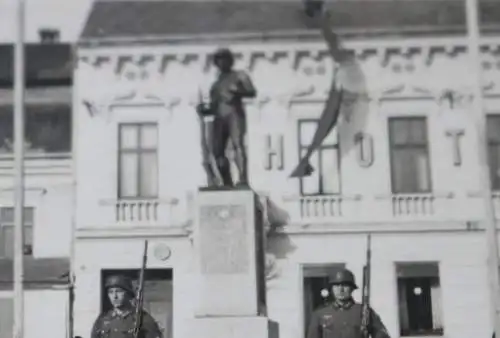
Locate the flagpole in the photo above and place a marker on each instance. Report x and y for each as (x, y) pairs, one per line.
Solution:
(19, 79)
(473, 37)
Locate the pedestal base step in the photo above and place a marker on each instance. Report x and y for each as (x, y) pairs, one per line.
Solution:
(233, 327)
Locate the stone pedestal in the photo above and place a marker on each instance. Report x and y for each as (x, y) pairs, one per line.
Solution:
(229, 246)
(234, 327)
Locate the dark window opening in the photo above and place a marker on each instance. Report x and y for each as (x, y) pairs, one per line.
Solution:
(420, 299)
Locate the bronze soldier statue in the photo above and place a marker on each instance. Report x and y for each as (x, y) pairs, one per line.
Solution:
(227, 108)
(119, 322)
(342, 318)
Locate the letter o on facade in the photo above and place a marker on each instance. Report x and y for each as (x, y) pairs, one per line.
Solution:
(364, 149)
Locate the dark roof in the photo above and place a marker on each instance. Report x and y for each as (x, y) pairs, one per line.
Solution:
(45, 63)
(37, 272)
(140, 19)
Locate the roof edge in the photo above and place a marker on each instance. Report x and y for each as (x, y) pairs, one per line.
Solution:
(367, 33)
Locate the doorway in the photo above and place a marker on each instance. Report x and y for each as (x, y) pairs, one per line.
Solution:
(158, 294)
(315, 281)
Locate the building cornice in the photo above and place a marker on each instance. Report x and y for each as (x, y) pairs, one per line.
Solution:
(122, 232)
(392, 227)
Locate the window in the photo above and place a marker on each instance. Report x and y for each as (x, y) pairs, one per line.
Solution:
(419, 296)
(138, 161)
(410, 164)
(47, 130)
(6, 317)
(315, 281)
(326, 161)
(158, 294)
(493, 134)
(7, 231)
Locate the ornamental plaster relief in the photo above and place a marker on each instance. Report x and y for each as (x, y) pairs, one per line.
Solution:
(303, 72)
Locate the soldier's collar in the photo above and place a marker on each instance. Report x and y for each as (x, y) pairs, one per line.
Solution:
(344, 305)
(121, 313)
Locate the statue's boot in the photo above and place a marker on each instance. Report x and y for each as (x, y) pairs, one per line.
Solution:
(225, 172)
(241, 164)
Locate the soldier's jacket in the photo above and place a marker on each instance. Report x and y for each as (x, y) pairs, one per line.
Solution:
(337, 321)
(121, 325)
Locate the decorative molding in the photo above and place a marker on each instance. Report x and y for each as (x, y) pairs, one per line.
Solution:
(455, 136)
(118, 232)
(415, 226)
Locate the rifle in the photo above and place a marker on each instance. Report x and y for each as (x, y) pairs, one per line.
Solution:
(365, 305)
(140, 293)
(209, 163)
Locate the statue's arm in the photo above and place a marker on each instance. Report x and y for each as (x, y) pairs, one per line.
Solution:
(246, 87)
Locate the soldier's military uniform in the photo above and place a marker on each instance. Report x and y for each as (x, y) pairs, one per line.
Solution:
(121, 324)
(343, 320)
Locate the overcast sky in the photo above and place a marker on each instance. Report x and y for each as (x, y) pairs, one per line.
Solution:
(68, 16)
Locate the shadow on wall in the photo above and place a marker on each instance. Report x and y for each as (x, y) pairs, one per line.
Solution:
(278, 244)
(355, 107)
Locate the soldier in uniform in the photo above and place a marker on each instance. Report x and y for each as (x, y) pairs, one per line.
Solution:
(226, 106)
(119, 322)
(342, 318)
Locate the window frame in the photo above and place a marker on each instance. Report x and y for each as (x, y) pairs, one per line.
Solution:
(394, 147)
(28, 224)
(301, 147)
(495, 177)
(432, 332)
(138, 150)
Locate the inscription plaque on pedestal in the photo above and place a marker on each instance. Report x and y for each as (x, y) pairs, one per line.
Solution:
(223, 240)
(228, 245)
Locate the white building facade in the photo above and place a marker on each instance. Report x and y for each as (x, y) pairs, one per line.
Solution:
(49, 190)
(401, 164)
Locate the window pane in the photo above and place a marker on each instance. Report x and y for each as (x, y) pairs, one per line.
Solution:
(422, 171)
(310, 184)
(493, 128)
(418, 131)
(8, 240)
(410, 170)
(330, 173)
(129, 136)
(149, 136)
(399, 131)
(7, 215)
(149, 175)
(401, 175)
(306, 132)
(6, 317)
(48, 128)
(128, 175)
(494, 164)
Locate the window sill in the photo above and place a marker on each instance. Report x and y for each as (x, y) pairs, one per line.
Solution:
(37, 156)
(294, 198)
(115, 201)
(440, 195)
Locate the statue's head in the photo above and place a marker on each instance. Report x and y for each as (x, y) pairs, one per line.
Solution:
(223, 59)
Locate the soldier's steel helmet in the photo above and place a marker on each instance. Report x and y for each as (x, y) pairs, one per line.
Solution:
(223, 53)
(122, 282)
(343, 276)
